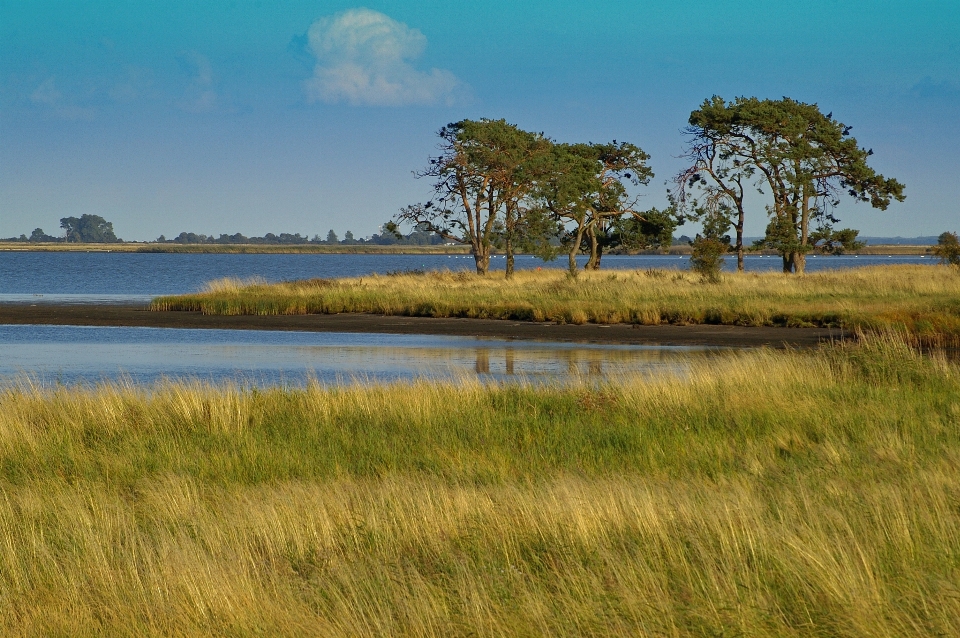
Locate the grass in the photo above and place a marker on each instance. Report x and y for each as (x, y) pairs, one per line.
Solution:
(921, 300)
(763, 494)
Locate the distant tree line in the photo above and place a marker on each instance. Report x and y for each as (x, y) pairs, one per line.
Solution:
(417, 237)
(498, 186)
(94, 229)
(84, 229)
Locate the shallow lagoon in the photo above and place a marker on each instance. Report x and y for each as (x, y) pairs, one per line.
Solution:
(68, 355)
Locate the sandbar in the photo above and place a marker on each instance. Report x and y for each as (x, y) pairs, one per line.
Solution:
(667, 335)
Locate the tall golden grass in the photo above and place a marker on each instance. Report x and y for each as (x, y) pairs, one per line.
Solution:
(921, 300)
(764, 494)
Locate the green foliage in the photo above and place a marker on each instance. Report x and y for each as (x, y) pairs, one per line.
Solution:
(39, 236)
(481, 182)
(496, 185)
(607, 199)
(88, 229)
(714, 184)
(332, 237)
(781, 236)
(537, 233)
(644, 230)
(268, 239)
(803, 159)
(835, 242)
(948, 249)
(708, 249)
(707, 258)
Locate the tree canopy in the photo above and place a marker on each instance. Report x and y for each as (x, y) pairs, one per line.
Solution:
(482, 178)
(496, 185)
(802, 159)
(88, 229)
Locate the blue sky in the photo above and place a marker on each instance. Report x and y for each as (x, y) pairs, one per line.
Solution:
(256, 117)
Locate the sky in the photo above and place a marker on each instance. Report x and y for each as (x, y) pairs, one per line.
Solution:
(254, 116)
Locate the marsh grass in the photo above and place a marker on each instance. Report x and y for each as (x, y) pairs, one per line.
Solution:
(923, 301)
(762, 494)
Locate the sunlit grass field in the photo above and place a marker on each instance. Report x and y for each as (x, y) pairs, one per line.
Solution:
(762, 494)
(923, 301)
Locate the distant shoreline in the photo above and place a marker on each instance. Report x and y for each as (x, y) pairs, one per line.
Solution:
(136, 247)
(360, 249)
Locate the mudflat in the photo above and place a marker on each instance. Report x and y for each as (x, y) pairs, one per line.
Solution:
(692, 335)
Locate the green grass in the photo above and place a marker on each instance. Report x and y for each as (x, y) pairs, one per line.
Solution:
(762, 494)
(923, 301)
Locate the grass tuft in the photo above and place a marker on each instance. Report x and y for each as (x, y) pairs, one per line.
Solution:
(921, 301)
(767, 493)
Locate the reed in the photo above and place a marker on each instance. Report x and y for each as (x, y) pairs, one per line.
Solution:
(922, 301)
(762, 494)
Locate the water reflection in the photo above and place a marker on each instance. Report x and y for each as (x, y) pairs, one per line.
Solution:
(72, 354)
(548, 359)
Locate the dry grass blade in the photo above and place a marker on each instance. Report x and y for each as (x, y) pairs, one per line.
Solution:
(763, 494)
(922, 301)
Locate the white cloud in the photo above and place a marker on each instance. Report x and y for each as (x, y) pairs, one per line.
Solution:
(47, 93)
(48, 96)
(132, 86)
(200, 96)
(364, 58)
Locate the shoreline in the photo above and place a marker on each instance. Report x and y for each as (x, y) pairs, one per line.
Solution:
(106, 315)
(372, 249)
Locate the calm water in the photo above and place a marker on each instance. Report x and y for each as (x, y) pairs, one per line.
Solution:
(57, 354)
(125, 277)
(69, 355)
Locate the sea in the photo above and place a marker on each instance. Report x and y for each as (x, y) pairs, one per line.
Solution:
(71, 355)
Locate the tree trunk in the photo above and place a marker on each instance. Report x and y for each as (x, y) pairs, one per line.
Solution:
(481, 255)
(510, 222)
(574, 250)
(739, 245)
(788, 263)
(593, 263)
(801, 260)
(799, 263)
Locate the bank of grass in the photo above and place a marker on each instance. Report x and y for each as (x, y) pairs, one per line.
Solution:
(921, 300)
(762, 494)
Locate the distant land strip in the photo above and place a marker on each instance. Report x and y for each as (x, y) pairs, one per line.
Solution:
(136, 247)
(360, 249)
